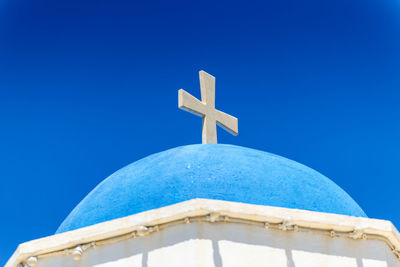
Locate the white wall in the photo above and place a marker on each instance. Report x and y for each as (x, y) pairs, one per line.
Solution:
(230, 244)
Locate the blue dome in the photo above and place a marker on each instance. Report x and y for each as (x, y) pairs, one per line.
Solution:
(212, 171)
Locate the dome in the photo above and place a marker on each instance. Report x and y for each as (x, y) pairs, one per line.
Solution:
(213, 171)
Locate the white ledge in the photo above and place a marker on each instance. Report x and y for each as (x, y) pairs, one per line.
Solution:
(203, 207)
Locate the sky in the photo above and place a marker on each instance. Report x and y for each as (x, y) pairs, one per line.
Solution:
(87, 87)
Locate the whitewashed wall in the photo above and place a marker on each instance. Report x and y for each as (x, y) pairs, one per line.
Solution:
(229, 244)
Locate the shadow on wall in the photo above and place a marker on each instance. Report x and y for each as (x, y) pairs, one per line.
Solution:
(216, 254)
(238, 245)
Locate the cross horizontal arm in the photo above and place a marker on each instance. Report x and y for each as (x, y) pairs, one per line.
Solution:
(191, 104)
(228, 122)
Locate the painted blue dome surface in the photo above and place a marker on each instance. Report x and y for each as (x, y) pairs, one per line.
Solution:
(212, 171)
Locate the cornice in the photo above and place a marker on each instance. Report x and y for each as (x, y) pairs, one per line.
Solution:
(75, 242)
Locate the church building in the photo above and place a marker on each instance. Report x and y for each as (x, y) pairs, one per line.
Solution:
(215, 205)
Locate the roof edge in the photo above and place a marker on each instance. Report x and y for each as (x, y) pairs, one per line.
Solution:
(354, 227)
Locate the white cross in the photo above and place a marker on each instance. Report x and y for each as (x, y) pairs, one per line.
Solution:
(206, 109)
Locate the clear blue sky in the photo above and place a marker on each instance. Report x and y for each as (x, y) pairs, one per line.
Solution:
(87, 87)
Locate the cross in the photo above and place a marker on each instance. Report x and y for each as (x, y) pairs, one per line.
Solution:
(206, 109)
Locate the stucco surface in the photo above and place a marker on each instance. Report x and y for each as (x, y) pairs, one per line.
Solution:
(213, 171)
(233, 245)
